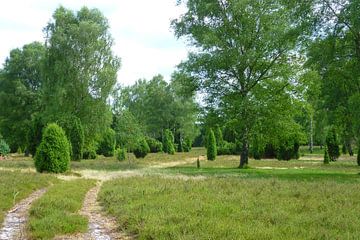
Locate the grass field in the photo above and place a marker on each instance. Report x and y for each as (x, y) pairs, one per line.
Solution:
(56, 213)
(234, 208)
(15, 186)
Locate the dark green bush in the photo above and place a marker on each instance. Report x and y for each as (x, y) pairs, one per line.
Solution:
(34, 135)
(289, 148)
(89, 152)
(332, 144)
(227, 149)
(141, 148)
(53, 153)
(187, 145)
(168, 142)
(326, 156)
(211, 150)
(107, 144)
(180, 146)
(154, 145)
(121, 154)
(75, 134)
(4, 147)
(218, 136)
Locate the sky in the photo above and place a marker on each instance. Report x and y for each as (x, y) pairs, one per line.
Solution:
(140, 28)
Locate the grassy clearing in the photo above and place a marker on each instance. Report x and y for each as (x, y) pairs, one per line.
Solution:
(233, 208)
(56, 213)
(15, 186)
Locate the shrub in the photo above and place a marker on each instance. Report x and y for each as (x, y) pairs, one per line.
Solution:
(4, 147)
(53, 153)
(326, 156)
(358, 154)
(218, 136)
(180, 146)
(289, 148)
(154, 145)
(227, 149)
(187, 145)
(332, 144)
(107, 145)
(211, 146)
(75, 134)
(168, 143)
(34, 135)
(89, 152)
(121, 154)
(141, 148)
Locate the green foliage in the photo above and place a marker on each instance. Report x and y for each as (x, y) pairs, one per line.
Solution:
(80, 69)
(154, 145)
(121, 154)
(228, 148)
(289, 149)
(20, 92)
(187, 145)
(4, 147)
(180, 146)
(141, 148)
(107, 144)
(89, 152)
(75, 134)
(168, 142)
(211, 150)
(34, 135)
(332, 144)
(53, 154)
(326, 156)
(218, 136)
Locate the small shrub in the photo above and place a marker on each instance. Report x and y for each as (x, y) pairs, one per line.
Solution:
(187, 145)
(227, 149)
(326, 156)
(141, 149)
(89, 152)
(4, 148)
(154, 145)
(332, 144)
(107, 145)
(53, 153)
(211, 146)
(180, 146)
(121, 154)
(218, 136)
(168, 143)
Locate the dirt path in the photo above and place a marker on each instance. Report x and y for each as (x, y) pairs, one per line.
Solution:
(101, 227)
(15, 221)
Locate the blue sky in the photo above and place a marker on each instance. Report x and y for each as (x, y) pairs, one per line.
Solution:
(140, 28)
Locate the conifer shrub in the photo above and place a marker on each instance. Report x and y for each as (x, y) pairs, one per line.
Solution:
(228, 148)
(121, 154)
(141, 148)
(154, 145)
(4, 147)
(187, 145)
(326, 156)
(332, 144)
(89, 152)
(218, 136)
(211, 150)
(53, 153)
(168, 143)
(107, 144)
(34, 135)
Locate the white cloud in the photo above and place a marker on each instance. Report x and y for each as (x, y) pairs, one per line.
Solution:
(140, 28)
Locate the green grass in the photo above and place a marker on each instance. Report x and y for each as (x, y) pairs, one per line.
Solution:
(15, 186)
(56, 213)
(234, 208)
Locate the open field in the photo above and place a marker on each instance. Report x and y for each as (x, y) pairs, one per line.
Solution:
(168, 197)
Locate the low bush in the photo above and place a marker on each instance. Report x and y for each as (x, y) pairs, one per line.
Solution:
(89, 152)
(141, 148)
(332, 144)
(187, 145)
(4, 148)
(227, 149)
(168, 142)
(121, 154)
(53, 154)
(154, 145)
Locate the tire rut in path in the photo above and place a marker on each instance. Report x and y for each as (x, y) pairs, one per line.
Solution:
(100, 227)
(15, 221)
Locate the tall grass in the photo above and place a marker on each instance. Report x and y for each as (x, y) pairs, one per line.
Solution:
(232, 208)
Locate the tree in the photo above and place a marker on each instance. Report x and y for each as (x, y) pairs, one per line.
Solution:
(326, 156)
(243, 50)
(107, 144)
(211, 150)
(34, 135)
(80, 69)
(168, 142)
(218, 136)
(53, 154)
(332, 144)
(20, 92)
(141, 148)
